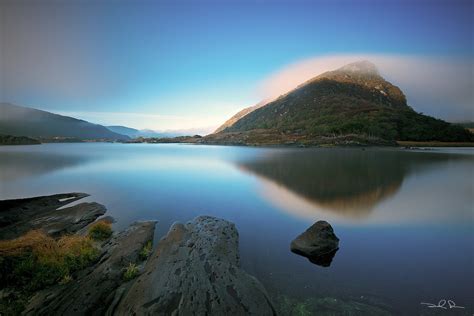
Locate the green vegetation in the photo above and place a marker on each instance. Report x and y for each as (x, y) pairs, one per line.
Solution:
(36, 260)
(131, 272)
(100, 231)
(146, 251)
(17, 140)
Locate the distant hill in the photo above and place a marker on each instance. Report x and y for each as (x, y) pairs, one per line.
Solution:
(23, 121)
(352, 100)
(128, 131)
(148, 133)
(135, 133)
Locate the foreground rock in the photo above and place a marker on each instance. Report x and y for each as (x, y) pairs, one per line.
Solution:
(93, 289)
(318, 243)
(195, 270)
(22, 215)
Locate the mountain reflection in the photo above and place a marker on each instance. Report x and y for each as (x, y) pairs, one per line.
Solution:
(348, 182)
(17, 165)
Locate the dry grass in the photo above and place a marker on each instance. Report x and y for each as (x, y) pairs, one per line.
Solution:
(44, 247)
(36, 260)
(100, 231)
(33, 240)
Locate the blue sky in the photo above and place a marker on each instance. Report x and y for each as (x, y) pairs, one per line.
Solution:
(184, 64)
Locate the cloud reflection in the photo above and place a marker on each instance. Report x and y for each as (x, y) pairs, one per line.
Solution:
(341, 184)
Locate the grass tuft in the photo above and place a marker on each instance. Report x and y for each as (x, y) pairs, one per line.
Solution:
(66, 279)
(146, 251)
(130, 272)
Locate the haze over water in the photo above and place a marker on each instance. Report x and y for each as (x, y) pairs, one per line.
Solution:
(404, 218)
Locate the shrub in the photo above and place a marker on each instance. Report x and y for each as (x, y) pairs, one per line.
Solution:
(146, 251)
(100, 230)
(130, 272)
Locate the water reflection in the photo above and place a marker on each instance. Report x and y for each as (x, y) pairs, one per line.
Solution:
(16, 165)
(323, 260)
(347, 182)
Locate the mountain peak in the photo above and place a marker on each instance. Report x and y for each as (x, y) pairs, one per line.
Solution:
(361, 67)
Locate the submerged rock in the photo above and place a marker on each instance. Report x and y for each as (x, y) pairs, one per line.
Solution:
(318, 243)
(195, 270)
(92, 290)
(330, 306)
(19, 216)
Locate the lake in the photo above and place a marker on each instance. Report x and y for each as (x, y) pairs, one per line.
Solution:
(404, 218)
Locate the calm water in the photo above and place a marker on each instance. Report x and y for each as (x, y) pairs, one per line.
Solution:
(405, 218)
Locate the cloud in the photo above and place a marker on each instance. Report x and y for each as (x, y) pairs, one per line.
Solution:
(51, 51)
(441, 87)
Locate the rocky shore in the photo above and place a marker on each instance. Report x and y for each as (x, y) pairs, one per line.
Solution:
(57, 259)
(271, 138)
(195, 268)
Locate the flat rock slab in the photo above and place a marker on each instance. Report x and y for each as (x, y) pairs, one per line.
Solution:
(195, 270)
(318, 243)
(19, 216)
(93, 290)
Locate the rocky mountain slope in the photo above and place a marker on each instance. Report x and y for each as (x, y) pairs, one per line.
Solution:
(240, 115)
(353, 100)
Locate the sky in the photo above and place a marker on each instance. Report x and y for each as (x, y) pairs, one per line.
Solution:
(186, 64)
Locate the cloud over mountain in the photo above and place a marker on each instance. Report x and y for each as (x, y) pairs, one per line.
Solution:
(437, 86)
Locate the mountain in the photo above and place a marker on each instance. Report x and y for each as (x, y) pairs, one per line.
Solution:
(135, 133)
(354, 101)
(23, 121)
(240, 115)
(124, 130)
(148, 133)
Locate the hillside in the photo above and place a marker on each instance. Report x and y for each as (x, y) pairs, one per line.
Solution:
(240, 115)
(22, 121)
(353, 100)
(124, 130)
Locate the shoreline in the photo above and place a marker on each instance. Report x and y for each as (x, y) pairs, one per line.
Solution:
(399, 144)
(434, 144)
(196, 266)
